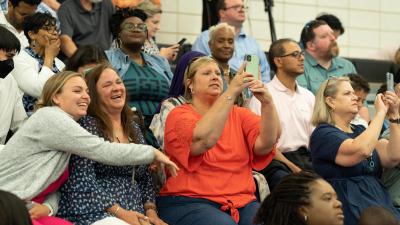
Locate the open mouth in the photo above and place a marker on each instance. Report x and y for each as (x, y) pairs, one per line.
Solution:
(83, 104)
(116, 96)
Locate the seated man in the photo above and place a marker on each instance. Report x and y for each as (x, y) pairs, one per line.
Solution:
(233, 13)
(294, 105)
(335, 24)
(12, 113)
(321, 62)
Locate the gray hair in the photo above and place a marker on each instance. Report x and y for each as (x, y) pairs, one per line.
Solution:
(217, 27)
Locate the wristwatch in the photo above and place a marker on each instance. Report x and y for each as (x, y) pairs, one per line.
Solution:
(395, 120)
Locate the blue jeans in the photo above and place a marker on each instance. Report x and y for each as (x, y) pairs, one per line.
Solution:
(179, 210)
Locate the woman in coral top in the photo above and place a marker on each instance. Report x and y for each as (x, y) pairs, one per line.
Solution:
(216, 145)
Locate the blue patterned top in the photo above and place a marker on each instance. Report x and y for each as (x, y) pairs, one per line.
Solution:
(29, 101)
(93, 187)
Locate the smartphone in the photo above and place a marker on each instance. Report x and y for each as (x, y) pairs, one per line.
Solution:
(252, 65)
(389, 82)
(182, 41)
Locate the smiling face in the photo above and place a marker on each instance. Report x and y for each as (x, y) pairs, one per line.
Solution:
(73, 98)
(133, 31)
(153, 24)
(207, 81)
(46, 35)
(222, 45)
(111, 91)
(324, 207)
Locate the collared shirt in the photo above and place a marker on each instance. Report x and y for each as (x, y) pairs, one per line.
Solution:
(121, 62)
(314, 74)
(20, 35)
(294, 110)
(244, 45)
(87, 27)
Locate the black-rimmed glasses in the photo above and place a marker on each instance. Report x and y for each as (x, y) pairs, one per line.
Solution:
(295, 54)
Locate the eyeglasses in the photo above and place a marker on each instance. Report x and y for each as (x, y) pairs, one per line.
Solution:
(295, 54)
(131, 27)
(50, 29)
(236, 7)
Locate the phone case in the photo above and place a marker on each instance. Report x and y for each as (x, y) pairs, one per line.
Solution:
(253, 65)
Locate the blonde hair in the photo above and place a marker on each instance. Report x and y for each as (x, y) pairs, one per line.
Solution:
(322, 111)
(149, 8)
(191, 70)
(220, 26)
(397, 57)
(53, 86)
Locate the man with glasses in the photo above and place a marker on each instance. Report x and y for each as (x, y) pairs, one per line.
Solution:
(233, 13)
(85, 22)
(294, 105)
(321, 60)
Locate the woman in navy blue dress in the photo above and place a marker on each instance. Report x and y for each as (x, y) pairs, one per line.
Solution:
(100, 194)
(351, 157)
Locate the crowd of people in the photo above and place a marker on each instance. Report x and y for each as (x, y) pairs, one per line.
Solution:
(97, 129)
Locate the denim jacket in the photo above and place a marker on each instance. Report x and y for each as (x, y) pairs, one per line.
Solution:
(121, 62)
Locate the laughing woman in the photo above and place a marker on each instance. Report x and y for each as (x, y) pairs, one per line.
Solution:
(99, 192)
(34, 163)
(146, 77)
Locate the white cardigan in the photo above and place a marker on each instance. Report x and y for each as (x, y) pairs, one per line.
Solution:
(26, 73)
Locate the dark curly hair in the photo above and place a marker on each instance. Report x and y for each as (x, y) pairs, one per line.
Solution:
(282, 206)
(332, 21)
(37, 21)
(85, 55)
(358, 83)
(307, 34)
(120, 15)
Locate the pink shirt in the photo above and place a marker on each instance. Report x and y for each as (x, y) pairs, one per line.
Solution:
(294, 110)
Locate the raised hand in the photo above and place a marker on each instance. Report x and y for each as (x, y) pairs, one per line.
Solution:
(170, 52)
(393, 103)
(241, 81)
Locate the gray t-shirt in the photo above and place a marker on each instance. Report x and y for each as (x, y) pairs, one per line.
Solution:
(87, 27)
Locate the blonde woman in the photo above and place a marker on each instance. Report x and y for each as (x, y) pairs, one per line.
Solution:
(33, 164)
(349, 156)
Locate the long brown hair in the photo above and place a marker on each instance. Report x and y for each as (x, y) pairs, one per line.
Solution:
(95, 109)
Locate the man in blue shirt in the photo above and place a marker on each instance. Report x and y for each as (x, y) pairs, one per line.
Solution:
(233, 13)
(321, 60)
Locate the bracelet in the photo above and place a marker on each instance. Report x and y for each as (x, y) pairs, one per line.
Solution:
(395, 120)
(116, 211)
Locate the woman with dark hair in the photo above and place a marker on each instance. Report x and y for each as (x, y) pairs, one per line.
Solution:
(13, 210)
(96, 192)
(86, 57)
(37, 62)
(12, 113)
(301, 199)
(146, 77)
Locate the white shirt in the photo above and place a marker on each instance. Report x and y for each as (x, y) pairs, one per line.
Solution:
(20, 35)
(294, 110)
(12, 112)
(26, 72)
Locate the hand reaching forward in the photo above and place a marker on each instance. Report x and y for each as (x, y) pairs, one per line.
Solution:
(162, 158)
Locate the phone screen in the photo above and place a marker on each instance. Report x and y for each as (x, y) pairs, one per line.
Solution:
(253, 65)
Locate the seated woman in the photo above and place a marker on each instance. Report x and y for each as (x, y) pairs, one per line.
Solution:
(175, 96)
(95, 191)
(85, 58)
(301, 198)
(38, 62)
(153, 21)
(146, 77)
(216, 145)
(34, 163)
(351, 157)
